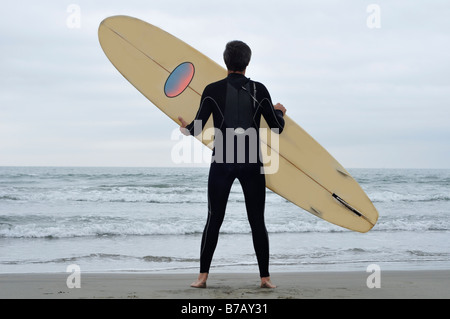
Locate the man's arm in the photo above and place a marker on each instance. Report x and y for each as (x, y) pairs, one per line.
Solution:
(272, 114)
(203, 114)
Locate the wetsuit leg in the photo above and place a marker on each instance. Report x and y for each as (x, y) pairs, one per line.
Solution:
(254, 188)
(220, 180)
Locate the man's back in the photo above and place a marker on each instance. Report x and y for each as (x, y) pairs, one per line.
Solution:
(236, 104)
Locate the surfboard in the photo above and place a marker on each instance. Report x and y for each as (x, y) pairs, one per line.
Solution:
(172, 75)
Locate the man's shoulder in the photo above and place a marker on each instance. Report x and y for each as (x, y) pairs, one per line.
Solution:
(260, 87)
(218, 86)
(215, 85)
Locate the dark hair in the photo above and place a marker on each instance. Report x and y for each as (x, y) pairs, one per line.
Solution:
(237, 55)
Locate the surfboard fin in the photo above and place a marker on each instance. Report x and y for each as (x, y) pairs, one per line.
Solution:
(352, 209)
(316, 211)
(343, 172)
(343, 202)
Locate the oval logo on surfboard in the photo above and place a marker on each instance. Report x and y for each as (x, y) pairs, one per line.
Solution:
(179, 79)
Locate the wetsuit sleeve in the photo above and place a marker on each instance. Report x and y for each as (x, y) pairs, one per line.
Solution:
(274, 118)
(203, 114)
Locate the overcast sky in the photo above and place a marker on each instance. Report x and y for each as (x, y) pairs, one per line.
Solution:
(373, 97)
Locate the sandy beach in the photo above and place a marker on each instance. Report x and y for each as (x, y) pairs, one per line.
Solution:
(342, 285)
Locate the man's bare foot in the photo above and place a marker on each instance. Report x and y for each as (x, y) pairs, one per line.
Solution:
(266, 283)
(201, 281)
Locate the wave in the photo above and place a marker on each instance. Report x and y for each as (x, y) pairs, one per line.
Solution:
(176, 185)
(170, 193)
(421, 253)
(97, 226)
(126, 194)
(9, 198)
(389, 196)
(96, 195)
(101, 256)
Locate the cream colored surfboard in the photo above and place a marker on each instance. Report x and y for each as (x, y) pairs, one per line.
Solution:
(172, 75)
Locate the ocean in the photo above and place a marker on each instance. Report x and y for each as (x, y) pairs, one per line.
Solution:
(151, 220)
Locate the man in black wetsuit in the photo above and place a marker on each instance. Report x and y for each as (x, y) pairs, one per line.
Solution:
(236, 104)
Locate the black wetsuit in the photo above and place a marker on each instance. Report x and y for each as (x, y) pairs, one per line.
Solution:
(236, 104)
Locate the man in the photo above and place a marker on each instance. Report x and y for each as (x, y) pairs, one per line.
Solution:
(236, 104)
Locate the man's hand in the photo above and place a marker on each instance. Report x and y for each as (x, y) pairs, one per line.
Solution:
(183, 125)
(280, 107)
